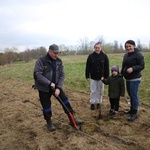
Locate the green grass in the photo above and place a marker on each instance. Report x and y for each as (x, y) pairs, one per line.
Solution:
(144, 90)
(75, 73)
(20, 71)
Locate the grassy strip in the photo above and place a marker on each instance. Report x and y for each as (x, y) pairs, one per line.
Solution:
(75, 73)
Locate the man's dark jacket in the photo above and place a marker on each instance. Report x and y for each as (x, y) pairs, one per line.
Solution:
(44, 73)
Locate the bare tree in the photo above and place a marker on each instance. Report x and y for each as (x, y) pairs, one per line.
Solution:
(63, 47)
(139, 45)
(116, 46)
(27, 55)
(10, 54)
(108, 47)
(121, 47)
(3, 59)
(91, 45)
(84, 43)
(100, 39)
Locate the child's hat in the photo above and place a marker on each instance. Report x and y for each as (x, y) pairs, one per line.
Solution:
(115, 68)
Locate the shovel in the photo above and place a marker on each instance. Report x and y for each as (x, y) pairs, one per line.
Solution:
(69, 113)
(100, 114)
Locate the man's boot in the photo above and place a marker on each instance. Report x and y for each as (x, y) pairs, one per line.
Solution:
(78, 122)
(50, 125)
(133, 115)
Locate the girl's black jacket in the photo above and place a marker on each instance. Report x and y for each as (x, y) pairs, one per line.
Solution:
(97, 65)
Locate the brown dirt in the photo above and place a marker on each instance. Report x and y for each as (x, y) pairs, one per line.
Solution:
(22, 126)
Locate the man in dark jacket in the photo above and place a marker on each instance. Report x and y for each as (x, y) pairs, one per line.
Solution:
(97, 66)
(49, 77)
(132, 65)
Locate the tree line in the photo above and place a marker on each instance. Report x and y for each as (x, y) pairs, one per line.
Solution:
(85, 47)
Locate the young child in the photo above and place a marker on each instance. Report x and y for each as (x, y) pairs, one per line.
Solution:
(115, 90)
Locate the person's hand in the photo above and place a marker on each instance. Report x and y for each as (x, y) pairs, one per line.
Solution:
(52, 85)
(130, 70)
(122, 96)
(102, 78)
(57, 92)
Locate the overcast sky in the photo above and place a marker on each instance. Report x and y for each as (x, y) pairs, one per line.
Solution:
(34, 23)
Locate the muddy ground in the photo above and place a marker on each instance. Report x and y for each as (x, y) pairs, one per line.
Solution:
(22, 126)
